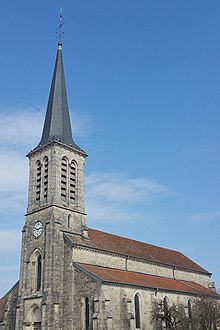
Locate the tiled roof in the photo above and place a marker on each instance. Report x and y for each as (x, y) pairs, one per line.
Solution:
(118, 276)
(3, 303)
(125, 246)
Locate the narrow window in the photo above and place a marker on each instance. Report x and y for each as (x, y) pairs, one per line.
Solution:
(137, 311)
(64, 178)
(45, 179)
(39, 272)
(69, 221)
(190, 312)
(87, 313)
(73, 182)
(38, 180)
(166, 312)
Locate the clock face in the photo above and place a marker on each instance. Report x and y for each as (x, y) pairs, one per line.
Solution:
(38, 228)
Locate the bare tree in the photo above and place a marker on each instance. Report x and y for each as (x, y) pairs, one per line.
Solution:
(203, 314)
(166, 315)
(206, 313)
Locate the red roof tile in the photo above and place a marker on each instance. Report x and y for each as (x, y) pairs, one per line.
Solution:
(3, 303)
(199, 288)
(125, 246)
(144, 280)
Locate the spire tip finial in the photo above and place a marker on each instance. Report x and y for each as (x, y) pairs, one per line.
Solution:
(60, 30)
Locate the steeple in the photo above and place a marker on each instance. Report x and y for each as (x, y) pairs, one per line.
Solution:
(57, 126)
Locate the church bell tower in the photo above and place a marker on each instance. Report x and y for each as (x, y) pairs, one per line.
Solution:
(55, 206)
(57, 163)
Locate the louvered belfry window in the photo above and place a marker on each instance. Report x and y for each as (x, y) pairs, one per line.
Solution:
(72, 181)
(38, 180)
(45, 178)
(64, 172)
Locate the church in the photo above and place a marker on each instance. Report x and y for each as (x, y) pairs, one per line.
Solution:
(77, 278)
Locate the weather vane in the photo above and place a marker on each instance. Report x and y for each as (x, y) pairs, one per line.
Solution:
(60, 30)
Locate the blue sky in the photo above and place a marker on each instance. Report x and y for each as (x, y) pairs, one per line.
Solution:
(143, 80)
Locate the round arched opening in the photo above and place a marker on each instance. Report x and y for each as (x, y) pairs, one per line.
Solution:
(37, 318)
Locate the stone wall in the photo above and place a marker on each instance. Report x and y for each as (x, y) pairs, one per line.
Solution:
(10, 311)
(85, 286)
(104, 259)
(191, 276)
(121, 304)
(112, 306)
(98, 258)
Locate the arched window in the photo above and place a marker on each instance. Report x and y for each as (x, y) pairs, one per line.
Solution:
(73, 170)
(39, 272)
(38, 180)
(35, 270)
(137, 311)
(69, 221)
(190, 311)
(45, 179)
(64, 164)
(36, 318)
(87, 313)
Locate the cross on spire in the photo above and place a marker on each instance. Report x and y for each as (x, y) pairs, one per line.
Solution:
(60, 29)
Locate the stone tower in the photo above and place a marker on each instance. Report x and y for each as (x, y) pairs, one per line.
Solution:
(55, 205)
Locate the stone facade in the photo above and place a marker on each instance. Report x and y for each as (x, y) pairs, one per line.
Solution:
(111, 260)
(10, 309)
(56, 215)
(112, 306)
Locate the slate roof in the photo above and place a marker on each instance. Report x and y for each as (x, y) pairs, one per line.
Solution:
(123, 277)
(132, 248)
(57, 126)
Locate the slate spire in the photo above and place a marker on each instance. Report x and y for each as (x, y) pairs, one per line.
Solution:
(57, 126)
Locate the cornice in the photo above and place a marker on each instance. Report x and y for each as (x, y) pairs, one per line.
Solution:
(54, 205)
(51, 143)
